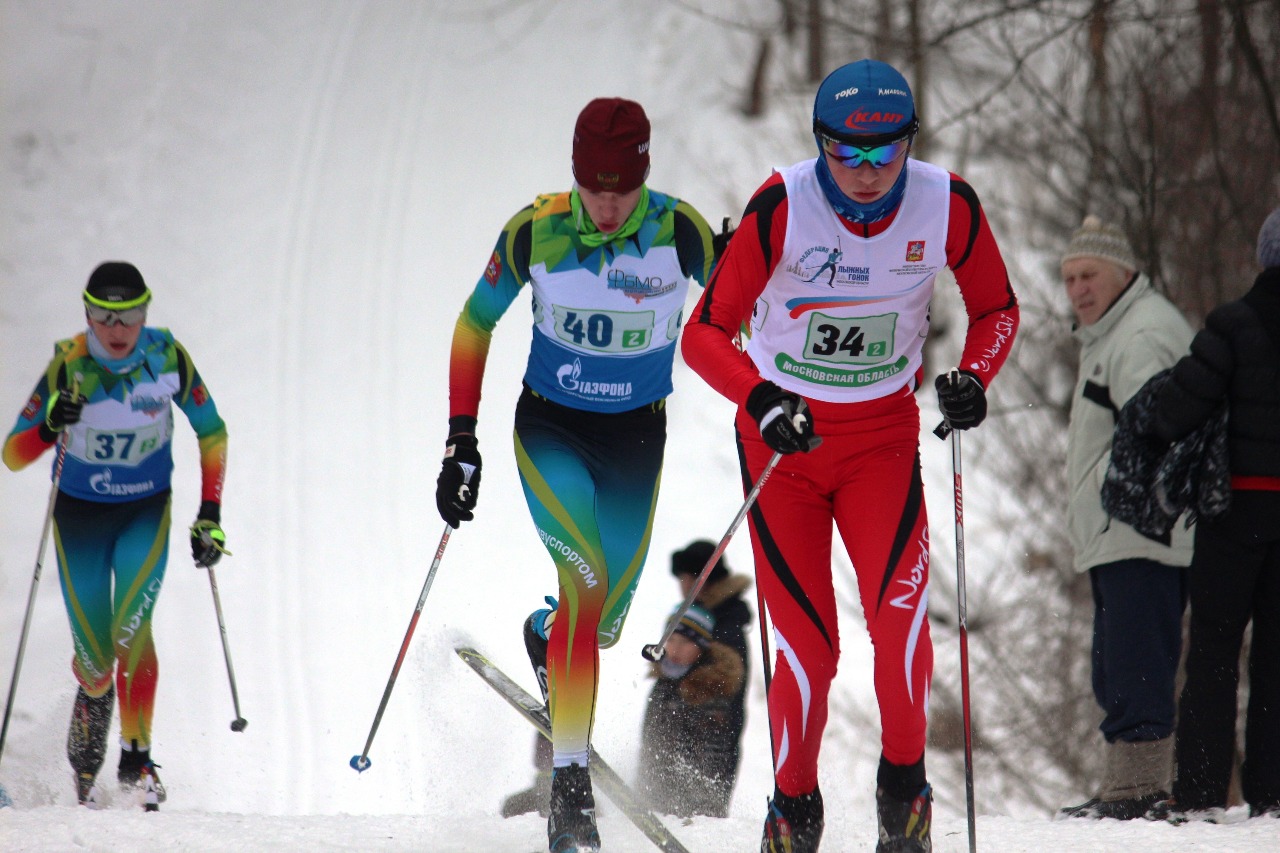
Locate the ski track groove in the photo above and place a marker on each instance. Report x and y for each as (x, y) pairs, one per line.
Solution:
(297, 459)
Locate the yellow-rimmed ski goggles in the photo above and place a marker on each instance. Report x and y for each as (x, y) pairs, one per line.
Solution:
(129, 312)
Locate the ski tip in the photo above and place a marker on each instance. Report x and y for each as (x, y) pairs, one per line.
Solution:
(238, 724)
(360, 763)
(652, 652)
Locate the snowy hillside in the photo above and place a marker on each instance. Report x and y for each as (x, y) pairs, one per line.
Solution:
(311, 189)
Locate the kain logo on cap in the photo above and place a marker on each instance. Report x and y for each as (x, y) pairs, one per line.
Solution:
(859, 120)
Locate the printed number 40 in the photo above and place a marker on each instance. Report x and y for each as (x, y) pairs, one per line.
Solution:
(597, 329)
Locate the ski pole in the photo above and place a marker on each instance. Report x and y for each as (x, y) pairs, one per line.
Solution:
(768, 668)
(35, 582)
(361, 762)
(238, 724)
(964, 641)
(655, 651)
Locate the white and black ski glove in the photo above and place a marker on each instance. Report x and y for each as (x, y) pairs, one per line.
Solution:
(961, 398)
(783, 417)
(458, 486)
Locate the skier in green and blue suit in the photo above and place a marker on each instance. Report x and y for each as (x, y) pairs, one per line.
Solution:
(108, 395)
(608, 263)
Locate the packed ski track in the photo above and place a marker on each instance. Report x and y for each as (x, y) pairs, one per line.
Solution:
(311, 189)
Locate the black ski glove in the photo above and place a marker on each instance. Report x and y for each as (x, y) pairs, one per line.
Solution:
(961, 398)
(720, 242)
(783, 418)
(208, 542)
(458, 486)
(64, 410)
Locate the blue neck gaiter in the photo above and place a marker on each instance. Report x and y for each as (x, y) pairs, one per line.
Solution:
(852, 210)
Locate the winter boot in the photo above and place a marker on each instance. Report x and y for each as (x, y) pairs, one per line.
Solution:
(904, 825)
(87, 739)
(535, 643)
(1169, 811)
(571, 828)
(138, 772)
(793, 824)
(1136, 778)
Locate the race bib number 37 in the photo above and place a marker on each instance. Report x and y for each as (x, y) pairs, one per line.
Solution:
(126, 447)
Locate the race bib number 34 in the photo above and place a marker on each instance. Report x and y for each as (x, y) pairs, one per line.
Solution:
(604, 331)
(850, 340)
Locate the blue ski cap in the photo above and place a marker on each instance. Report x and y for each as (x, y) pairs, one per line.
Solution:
(867, 98)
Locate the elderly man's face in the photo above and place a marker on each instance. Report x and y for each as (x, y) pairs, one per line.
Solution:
(1092, 285)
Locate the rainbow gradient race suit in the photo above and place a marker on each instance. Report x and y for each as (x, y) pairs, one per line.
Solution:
(590, 427)
(111, 516)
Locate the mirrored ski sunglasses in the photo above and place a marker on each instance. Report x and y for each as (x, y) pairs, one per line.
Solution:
(852, 156)
(127, 313)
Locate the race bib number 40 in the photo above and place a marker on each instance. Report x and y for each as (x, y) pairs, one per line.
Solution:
(604, 331)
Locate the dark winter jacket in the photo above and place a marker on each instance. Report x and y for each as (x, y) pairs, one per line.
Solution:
(1150, 483)
(1236, 358)
(689, 742)
(723, 600)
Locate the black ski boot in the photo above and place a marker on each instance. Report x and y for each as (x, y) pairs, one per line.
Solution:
(904, 825)
(138, 772)
(571, 828)
(87, 740)
(535, 643)
(793, 824)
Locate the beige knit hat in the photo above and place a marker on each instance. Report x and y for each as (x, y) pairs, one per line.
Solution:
(1096, 239)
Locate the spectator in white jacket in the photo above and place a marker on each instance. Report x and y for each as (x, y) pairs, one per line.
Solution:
(1127, 332)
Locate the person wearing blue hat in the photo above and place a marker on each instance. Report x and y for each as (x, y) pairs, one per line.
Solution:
(832, 271)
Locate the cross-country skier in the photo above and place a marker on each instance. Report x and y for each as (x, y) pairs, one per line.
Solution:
(106, 399)
(608, 263)
(845, 365)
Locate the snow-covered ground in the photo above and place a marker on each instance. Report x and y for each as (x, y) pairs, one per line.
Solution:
(311, 189)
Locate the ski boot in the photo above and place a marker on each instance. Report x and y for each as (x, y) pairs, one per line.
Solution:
(571, 828)
(535, 643)
(138, 772)
(904, 826)
(793, 824)
(87, 740)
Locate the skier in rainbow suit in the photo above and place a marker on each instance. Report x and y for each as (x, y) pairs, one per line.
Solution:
(608, 264)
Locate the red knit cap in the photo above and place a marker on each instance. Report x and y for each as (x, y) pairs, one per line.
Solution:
(611, 146)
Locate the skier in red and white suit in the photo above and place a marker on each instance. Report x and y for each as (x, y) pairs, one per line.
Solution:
(831, 271)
